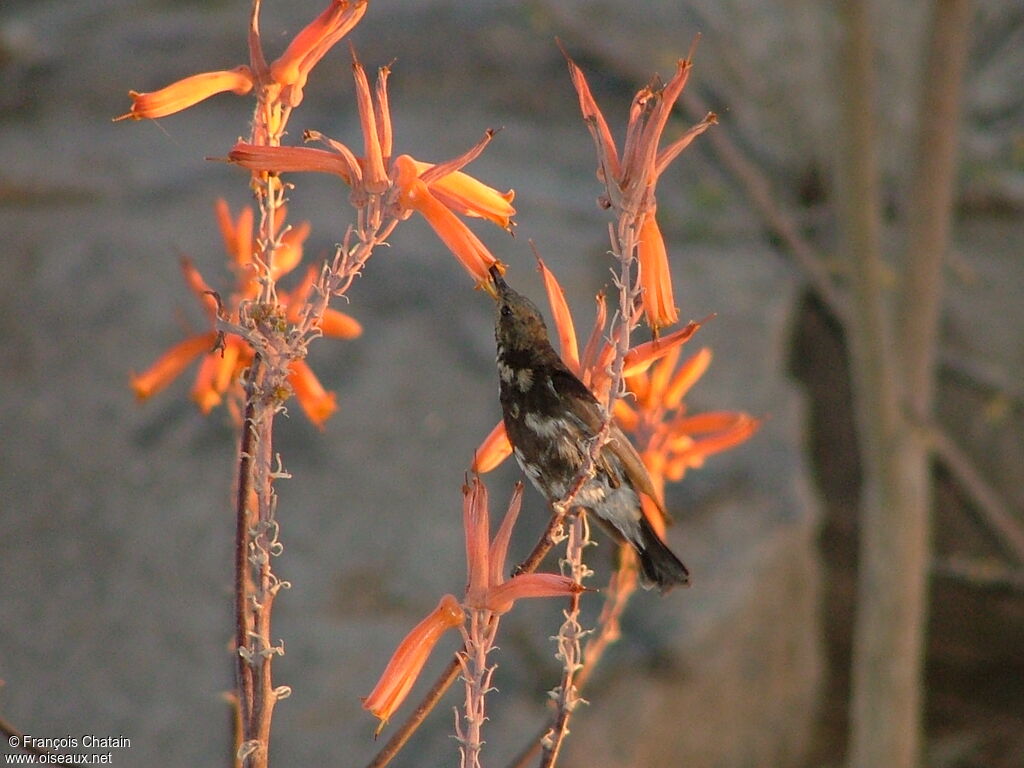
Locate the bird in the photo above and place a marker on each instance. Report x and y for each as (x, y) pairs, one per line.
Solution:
(551, 419)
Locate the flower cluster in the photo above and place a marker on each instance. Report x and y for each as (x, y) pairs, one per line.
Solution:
(225, 356)
(281, 81)
(671, 440)
(440, 193)
(631, 178)
(487, 592)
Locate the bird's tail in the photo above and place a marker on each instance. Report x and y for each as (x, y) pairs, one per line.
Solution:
(659, 567)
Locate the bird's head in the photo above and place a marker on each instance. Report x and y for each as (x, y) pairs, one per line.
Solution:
(518, 324)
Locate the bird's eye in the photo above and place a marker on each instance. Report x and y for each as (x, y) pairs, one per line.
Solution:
(506, 310)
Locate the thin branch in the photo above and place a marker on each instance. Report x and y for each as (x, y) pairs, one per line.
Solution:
(980, 574)
(930, 201)
(994, 511)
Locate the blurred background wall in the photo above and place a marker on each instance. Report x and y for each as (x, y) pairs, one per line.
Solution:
(115, 518)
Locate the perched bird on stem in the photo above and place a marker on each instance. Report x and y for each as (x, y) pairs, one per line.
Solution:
(552, 419)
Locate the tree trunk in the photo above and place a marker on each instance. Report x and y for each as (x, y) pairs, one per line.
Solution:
(894, 401)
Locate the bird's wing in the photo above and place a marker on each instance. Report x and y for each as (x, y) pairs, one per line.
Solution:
(576, 398)
(582, 404)
(621, 448)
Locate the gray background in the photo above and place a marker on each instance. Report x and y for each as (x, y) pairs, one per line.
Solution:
(115, 519)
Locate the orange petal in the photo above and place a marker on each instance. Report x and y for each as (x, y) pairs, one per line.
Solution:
(608, 156)
(671, 152)
(467, 248)
(660, 374)
(317, 403)
(408, 660)
(339, 325)
(492, 451)
(237, 237)
(257, 157)
(476, 528)
(499, 547)
(640, 386)
(501, 597)
(655, 276)
(641, 356)
(470, 197)
(625, 415)
(205, 392)
(198, 286)
(295, 301)
(288, 253)
(675, 469)
(187, 92)
(228, 366)
(226, 225)
(170, 365)
(637, 157)
(309, 46)
(686, 377)
(243, 237)
(440, 170)
(562, 318)
(712, 421)
(596, 341)
(382, 112)
(375, 178)
(735, 429)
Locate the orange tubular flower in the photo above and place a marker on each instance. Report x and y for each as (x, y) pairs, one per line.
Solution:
(669, 440)
(564, 325)
(317, 403)
(415, 195)
(655, 276)
(224, 357)
(292, 68)
(188, 92)
(632, 179)
(487, 588)
(469, 197)
(218, 372)
(408, 660)
(288, 159)
(492, 451)
(375, 178)
(284, 79)
(170, 365)
(237, 236)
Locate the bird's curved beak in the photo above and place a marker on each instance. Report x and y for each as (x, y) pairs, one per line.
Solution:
(496, 284)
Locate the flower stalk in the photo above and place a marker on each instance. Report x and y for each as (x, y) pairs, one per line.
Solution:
(478, 642)
(570, 634)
